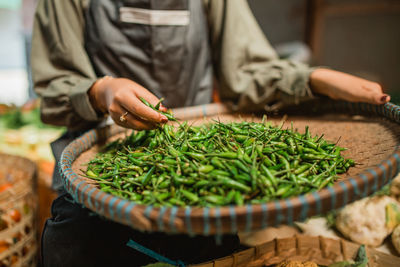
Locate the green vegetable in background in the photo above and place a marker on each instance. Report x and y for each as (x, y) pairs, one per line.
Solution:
(361, 260)
(16, 118)
(392, 215)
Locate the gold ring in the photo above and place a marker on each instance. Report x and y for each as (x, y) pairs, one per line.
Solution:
(123, 117)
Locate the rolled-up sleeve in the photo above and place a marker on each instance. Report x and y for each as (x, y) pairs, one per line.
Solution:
(62, 72)
(250, 74)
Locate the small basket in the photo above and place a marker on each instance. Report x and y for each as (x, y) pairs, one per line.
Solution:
(373, 140)
(18, 204)
(321, 250)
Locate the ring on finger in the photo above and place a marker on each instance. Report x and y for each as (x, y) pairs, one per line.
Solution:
(122, 118)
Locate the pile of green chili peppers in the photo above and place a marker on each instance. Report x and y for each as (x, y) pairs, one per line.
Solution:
(216, 164)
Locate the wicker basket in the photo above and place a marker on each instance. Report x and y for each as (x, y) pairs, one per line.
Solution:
(18, 235)
(321, 250)
(372, 140)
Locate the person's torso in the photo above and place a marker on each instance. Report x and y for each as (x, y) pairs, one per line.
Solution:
(161, 44)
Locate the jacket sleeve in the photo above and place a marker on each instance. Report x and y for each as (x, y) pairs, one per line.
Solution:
(62, 72)
(250, 74)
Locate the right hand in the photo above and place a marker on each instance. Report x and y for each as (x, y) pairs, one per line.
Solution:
(117, 96)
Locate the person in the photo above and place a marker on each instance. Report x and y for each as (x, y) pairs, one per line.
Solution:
(93, 59)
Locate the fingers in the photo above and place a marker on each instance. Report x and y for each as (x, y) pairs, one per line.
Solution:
(152, 99)
(338, 85)
(378, 98)
(385, 98)
(139, 124)
(372, 93)
(162, 108)
(119, 95)
(130, 121)
(144, 112)
(129, 100)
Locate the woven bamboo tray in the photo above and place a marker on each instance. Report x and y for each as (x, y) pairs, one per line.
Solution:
(18, 205)
(321, 250)
(372, 140)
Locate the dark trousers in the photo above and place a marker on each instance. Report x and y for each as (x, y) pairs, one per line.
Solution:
(75, 236)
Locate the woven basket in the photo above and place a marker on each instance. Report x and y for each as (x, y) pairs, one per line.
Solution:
(321, 250)
(18, 204)
(372, 140)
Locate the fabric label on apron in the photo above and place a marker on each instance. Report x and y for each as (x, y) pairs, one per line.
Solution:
(154, 17)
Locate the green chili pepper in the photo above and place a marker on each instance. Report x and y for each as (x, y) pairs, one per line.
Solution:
(147, 177)
(230, 196)
(192, 197)
(206, 168)
(241, 166)
(201, 183)
(169, 116)
(157, 106)
(302, 168)
(176, 202)
(217, 163)
(269, 175)
(240, 138)
(91, 174)
(219, 172)
(239, 199)
(196, 156)
(233, 184)
(228, 155)
(218, 200)
(138, 137)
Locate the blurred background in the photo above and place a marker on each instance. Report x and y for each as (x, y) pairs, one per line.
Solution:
(361, 37)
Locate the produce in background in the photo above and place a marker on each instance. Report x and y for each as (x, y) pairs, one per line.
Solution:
(394, 190)
(289, 263)
(368, 221)
(361, 260)
(23, 133)
(396, 238)
(317, 226)
(395, 193)
(12, 117)
(18, 202)
(216, 164)
(326, 225)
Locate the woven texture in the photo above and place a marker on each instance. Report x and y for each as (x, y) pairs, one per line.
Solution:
(18, 205)
(372, 140)
(321, 250)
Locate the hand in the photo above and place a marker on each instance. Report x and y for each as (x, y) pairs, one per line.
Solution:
(339, 85)
(116, 96)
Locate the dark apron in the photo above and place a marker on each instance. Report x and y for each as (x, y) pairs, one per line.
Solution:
(75, 236)
(172, 62)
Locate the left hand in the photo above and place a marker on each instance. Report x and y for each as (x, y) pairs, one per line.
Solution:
(339, 85)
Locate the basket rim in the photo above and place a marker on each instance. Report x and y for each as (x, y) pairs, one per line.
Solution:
(180, 219)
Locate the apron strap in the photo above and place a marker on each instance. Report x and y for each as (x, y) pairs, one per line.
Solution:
(153, 254)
